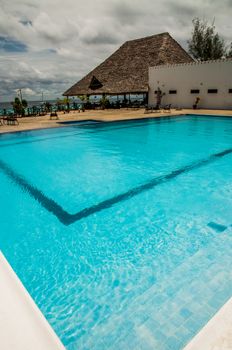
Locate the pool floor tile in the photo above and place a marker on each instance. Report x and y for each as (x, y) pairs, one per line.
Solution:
(173, 343)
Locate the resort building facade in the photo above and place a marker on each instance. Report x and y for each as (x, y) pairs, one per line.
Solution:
(126, 70)
(209, 84)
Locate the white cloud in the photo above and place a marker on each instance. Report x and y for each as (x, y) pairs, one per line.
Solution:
(29, 92)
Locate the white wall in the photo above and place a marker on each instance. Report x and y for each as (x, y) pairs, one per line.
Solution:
(187, 76)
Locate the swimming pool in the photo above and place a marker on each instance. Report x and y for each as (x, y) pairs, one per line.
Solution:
(121, 231)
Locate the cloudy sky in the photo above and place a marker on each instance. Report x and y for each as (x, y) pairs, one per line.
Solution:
(47, 45)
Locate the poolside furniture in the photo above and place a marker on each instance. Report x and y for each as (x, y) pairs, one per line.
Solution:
(151, 109)
(167, 108)
(54, 115)
(10, 120)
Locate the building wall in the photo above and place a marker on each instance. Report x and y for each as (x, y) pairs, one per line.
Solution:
(184, 77)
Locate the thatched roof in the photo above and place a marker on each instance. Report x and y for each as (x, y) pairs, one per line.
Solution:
(126, 70)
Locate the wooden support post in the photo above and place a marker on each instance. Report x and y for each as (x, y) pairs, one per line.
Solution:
(146, 98)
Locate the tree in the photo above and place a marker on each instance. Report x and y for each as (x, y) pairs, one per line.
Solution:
(19, 106)
(229, 54)
(205, 44)
(66, 101)
(85, 101)
(59, 104)
(24, 104)
(84, 98)
(47, 107)
(104, 102)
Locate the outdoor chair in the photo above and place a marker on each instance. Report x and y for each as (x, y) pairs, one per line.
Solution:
(151, 109)
(167, 108)
(10, 120)
(54, 115)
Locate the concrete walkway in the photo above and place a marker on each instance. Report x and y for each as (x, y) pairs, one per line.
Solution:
(31, 123)
(22, 325)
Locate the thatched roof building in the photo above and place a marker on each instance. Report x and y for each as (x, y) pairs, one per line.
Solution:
(126, 70)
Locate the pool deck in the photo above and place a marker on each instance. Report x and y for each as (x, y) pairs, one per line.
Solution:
(31, 123)
(22, 325)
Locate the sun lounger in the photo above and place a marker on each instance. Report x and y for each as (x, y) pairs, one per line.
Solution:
(151, 109)
(167, 108)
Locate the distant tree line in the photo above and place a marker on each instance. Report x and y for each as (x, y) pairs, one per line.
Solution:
(206, 44)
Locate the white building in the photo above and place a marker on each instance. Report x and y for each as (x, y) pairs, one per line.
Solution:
(211, 81)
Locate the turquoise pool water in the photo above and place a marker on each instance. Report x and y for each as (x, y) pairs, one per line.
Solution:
(121, 231)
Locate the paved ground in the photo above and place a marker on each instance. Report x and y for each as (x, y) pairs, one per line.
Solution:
(30, 123)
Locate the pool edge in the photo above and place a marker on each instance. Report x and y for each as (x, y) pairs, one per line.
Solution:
(22, 324)
(217, 333)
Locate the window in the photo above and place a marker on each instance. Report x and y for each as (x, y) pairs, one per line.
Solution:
(155, 92)
(195, 91)
(212, 91)
(171, 92)
(95, 83)
(230, 91)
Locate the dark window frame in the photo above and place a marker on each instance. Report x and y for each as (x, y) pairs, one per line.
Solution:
(230, 91)
(172, 92)
(194, 91)
(212, 91)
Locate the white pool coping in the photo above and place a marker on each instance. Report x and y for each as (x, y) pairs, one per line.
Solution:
(22, 325)
(217, 333)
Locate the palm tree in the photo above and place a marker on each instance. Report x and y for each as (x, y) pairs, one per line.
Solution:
(19, 106)
(47, 106)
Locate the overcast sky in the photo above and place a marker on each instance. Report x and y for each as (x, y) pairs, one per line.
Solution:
(48, 45)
